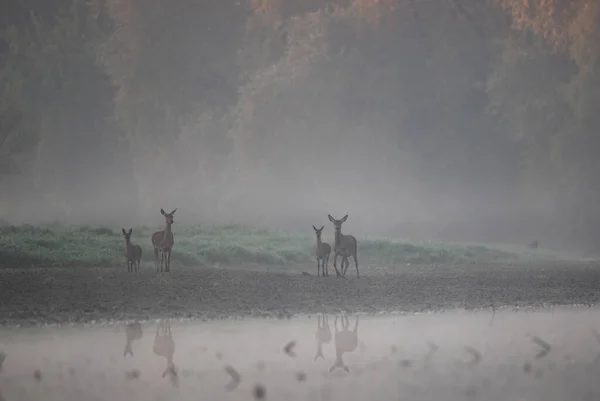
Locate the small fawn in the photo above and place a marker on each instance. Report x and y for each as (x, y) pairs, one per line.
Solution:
(345, 341)
(133, 331)
(344, 246)
(322, 251)
(163, 241)
(133, 253)
(323, 335)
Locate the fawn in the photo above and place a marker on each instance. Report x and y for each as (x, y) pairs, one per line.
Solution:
(323, 335)
(133, 253)
(133, 331)
(345, 341)
(164, 345)
(322, 251)
(344, 246)
(163, 241)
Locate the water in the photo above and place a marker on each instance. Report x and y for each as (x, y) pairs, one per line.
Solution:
(401, 357)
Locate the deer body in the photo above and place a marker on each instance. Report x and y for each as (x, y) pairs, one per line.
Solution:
(323, 335)
(322, 252)
(133, 331)
(163, 242)
(345, 341)
(344, 246)
(164, 345)
(133, 253)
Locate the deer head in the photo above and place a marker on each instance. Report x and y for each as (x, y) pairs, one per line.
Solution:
(318, 231)
(127, 234)
(337, 223)
(168, 216)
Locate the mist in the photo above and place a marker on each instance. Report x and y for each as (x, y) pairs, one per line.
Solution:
(413, 119)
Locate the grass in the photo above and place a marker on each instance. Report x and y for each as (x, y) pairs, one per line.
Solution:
(29, 246)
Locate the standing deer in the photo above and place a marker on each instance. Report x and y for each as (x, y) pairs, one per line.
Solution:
(164, 345)
(344, 246)
(323, 335)
(345, 341)
(133, 253)
(163, 241)
(133, 331)
(322, 251)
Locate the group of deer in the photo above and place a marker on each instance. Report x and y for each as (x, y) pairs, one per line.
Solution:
(343, 245)
(162, 241)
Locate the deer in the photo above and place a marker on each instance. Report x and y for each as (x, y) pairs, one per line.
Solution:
(163, 241)
(322, 251)
(344, 246)
(345, 341)
(133, 331)
(133, 252)
(323, 335)
(164, 345)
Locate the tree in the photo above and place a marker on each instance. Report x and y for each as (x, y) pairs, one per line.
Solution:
(173, 62)
(48, 73)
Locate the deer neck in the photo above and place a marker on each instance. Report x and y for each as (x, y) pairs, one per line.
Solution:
(319, 242)
(168, 228)
(338, 237)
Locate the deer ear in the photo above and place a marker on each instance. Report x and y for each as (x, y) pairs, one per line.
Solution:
(315, 228)
(331, 218)
(162, 211)
(173, 212)
(130, 231)
(321, 229)
(344, 218)
(346, 369)
(124, 232)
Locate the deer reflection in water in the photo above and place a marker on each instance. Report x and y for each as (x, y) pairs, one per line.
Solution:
(164, 346)
(345, 341)
(323, 334)
(133, 331)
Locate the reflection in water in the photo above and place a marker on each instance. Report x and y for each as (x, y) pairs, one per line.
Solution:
(323, 334)
(133, 331)
(345, 341)
(164, 345)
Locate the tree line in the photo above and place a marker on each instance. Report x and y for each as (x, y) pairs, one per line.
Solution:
(219, 98)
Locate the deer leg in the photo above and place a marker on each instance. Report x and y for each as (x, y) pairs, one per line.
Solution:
(318, 266)
(156, 255)
(345, 264)
(326, 272)
(356, 265)
(335, 265)
(168, 263)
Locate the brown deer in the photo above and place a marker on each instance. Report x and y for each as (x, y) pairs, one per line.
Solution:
(163, 241)
(323, 335)
(345, 341)
(344, 246)
(133, 252)
(133, 331)
(164, 345)
(322, 251)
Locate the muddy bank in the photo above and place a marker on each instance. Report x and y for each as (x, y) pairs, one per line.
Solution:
(42, 296)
